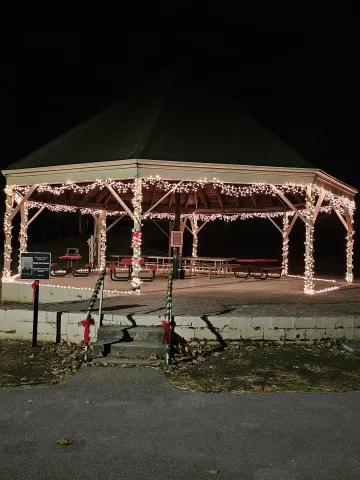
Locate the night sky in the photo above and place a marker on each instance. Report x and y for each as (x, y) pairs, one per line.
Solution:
(296, 70)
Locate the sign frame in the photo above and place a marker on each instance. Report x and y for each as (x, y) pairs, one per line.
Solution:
(35, 265)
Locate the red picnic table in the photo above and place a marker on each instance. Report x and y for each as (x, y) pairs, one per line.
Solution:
(71, 267)
(258, 268)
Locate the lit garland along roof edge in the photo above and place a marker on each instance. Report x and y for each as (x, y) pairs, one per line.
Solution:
(227, 189)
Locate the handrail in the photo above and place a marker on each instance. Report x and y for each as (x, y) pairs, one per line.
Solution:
(89, 320)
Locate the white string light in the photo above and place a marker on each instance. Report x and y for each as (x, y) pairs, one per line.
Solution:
(336, 201)
(195, 228)
(7, 231)
(309, 242)
(349, 254)
(136, 235)
(285, 248)
(23, 232)
(102, 242)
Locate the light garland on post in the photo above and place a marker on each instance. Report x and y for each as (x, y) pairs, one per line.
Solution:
(102, 221)
(285, 248)
(309, 242)
(8, 231)
(349, 254)
(23, 230)
(136, 235)
(195, 235)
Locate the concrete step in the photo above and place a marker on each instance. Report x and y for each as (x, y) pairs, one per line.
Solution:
(109, 334)
(138, 349)
(126, 362)
(146, 334)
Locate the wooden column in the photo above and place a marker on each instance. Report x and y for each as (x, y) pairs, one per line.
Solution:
(102, 239)
(23, 229)
(309, 241)
(194, 229)
(285, 247)
(171, 226)
(9, 203)
(349, 277)
(136, 235)
(176, 250)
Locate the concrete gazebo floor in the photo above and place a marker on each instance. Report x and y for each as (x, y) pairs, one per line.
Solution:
(217, 296)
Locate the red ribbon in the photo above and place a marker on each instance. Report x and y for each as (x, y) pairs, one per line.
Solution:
(136, 237)
(167, 331)
(36, 282)
(86, 324)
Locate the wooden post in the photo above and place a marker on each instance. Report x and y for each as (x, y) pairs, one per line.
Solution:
(102, 239)
(194, 228)
(171, 223)
(309, 241)
(176, 250)
(349, 277)
(285, 247)
(136, 235)
(23, 230)
(7, 230)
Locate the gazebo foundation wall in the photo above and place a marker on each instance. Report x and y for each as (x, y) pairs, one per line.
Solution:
(23, 293)
(17, 324)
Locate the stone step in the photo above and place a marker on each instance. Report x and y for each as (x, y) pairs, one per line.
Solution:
(138, 349)
(126, 362)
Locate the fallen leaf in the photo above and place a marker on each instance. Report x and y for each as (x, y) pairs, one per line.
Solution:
(213, 472)
(64, 441)
(257, 388)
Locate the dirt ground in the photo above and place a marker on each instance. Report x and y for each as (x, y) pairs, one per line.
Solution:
(268, 367)
(48, 364)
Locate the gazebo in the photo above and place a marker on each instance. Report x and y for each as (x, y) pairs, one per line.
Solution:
(182, 154)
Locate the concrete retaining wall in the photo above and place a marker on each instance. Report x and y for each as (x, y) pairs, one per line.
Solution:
(22, 293)
(18, 324)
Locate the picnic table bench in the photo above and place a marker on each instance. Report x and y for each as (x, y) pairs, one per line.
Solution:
(122, 272)
(258, 268)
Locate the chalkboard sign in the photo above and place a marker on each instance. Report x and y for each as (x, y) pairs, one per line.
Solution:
(35, 266)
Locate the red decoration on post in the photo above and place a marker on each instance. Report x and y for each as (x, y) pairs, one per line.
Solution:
(86, 324)
(167, 330)
(35, 282)
(136, 238)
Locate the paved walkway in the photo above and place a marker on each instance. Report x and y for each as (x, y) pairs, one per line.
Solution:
(136, 426)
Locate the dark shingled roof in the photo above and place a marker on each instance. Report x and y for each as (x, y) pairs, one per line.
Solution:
(188, 123)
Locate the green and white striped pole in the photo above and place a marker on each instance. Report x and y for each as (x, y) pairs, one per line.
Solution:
(89, 320)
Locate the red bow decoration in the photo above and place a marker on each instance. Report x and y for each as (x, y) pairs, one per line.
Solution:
(136, 238)
(86, 324)
(19, 237)
(167, 326)
(34, 284)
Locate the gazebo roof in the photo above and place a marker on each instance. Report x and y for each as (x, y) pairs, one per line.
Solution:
(182, 123)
